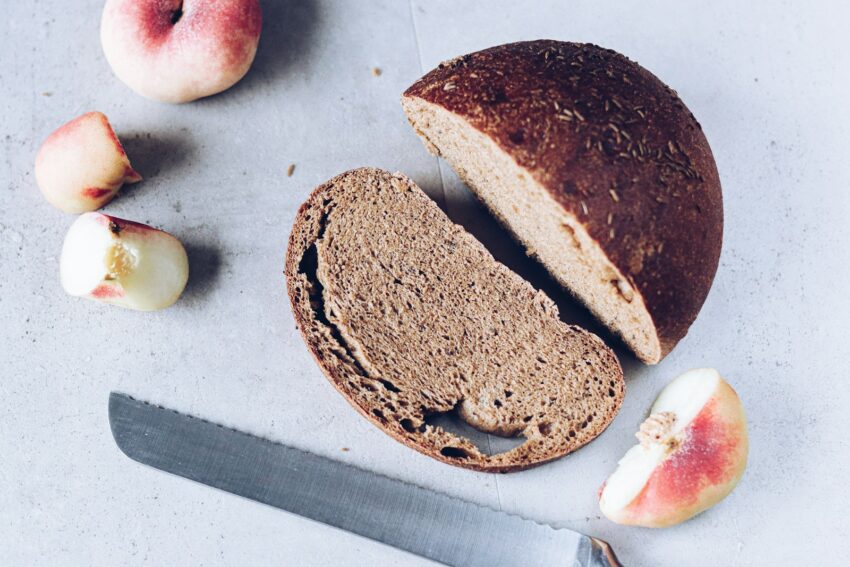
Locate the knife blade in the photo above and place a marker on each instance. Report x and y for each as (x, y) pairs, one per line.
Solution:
(429, 524)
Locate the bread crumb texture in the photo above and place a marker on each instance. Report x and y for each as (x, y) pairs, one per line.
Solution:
(409, 316)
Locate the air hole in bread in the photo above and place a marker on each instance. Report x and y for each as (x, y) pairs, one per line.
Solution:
(488, 443)
(389, 385)
(410, 426)
(309, 266)
(454, 452)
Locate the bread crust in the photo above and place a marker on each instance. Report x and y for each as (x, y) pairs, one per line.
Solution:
(339, 371)
(615, 147)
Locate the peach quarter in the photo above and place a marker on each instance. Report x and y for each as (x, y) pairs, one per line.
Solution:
(82, 165)
(180, 50)
(692, 453)
(123, 263)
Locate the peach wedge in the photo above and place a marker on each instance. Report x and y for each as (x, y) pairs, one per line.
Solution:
(692, 453)
(82, 165)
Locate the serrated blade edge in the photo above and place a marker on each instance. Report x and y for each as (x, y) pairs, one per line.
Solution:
(405, 516)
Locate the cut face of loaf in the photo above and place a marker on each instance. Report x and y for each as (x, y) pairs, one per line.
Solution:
(409, 316)
(595, 166)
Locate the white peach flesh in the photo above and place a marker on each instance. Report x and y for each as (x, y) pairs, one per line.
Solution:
(82, 165)
(692, 453)
(123, 263)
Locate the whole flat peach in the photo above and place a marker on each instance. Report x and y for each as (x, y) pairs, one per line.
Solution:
(180, 50)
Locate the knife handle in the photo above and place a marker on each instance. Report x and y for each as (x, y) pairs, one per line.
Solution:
(603, 555)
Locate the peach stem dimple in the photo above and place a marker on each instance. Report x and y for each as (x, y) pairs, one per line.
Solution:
(177, 13)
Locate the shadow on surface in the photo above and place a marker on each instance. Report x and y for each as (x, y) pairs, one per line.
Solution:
(487, 443)
(152, 154)
(286, 40)
(204, 269)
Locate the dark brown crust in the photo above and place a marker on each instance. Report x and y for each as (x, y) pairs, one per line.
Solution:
(605, 137)
(338, 371)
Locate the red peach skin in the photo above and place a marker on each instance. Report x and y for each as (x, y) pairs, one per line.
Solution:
(681, 469)
(180, 50)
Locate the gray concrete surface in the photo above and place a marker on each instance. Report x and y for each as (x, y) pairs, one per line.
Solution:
(769, 83)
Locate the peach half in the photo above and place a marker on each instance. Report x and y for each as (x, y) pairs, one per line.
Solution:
(82, 165)
(122, 262)
(692, 453)
(180, 50)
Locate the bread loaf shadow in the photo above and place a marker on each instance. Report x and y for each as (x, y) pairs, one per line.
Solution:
(463, 207)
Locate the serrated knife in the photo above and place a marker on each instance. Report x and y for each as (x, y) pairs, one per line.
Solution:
(405, 516)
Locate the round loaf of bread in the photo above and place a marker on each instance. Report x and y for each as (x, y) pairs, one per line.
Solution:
(596, 167)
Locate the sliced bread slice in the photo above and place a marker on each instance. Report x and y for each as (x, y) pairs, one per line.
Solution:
(595, 166)
(409, 316)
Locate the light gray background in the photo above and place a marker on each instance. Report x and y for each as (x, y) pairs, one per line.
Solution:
(769, 83)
